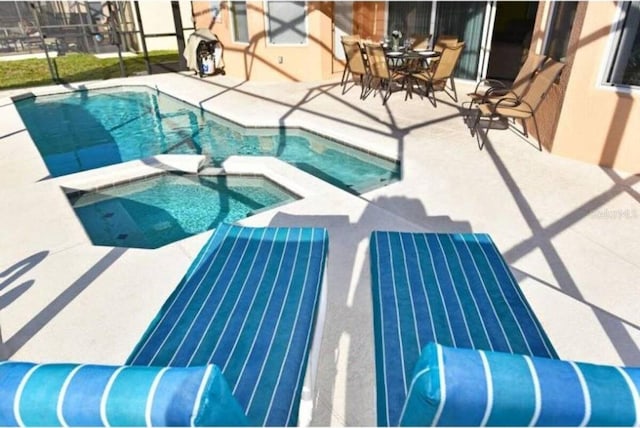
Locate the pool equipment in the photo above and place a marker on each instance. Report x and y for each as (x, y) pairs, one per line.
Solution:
(204, 53)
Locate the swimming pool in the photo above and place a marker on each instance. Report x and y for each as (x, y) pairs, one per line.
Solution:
(156, 211)
(88, 129)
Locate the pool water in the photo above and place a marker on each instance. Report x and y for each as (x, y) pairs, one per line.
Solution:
(153, 212)
(88, 129)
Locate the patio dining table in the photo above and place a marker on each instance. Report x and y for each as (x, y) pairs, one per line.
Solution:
(408, 62)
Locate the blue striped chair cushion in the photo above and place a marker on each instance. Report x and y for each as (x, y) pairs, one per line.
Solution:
(465, 387)
(93, 395)
(248, 304)
(454, 289)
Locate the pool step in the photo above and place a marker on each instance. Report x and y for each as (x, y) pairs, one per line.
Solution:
(210, 170)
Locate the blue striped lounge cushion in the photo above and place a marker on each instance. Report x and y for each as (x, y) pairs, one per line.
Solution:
(465, 387)
(94, 395)
(248, 304)
(454, 289)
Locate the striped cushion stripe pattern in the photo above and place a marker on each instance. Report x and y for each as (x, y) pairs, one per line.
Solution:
(454, 289)
(247, 304)
(465, 387)
(92, 395)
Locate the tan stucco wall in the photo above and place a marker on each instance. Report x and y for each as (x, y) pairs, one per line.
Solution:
(258, 60)
(598, 125)
(369, 19)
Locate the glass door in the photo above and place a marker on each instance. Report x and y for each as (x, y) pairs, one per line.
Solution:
(465, 20)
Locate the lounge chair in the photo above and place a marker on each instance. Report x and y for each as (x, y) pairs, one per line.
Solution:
(248, 304)
(436, 76)
(236, 343)
(524, 106)
(356, 63)
(380, 72)
(453, 289)
(491, 90)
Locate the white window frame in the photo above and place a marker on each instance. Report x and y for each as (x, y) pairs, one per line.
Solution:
(232, 24)
(612, 49)
(548, 27)
(268, 28)
(546, 40)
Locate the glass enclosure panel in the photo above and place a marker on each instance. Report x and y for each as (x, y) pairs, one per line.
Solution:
(560, 26)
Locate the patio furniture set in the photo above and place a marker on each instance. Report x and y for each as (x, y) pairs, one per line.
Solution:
(379, 66)
(236, 343)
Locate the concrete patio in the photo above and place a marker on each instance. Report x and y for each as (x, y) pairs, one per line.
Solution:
(569, 231)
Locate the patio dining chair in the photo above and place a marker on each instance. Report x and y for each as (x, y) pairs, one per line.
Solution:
(356, 63)
(420, 41)
(436, 77)
(380, 73)
(443, 41)
(521, 107)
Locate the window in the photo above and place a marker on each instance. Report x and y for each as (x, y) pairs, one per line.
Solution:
(625, 63)
(560, 25)
(240, 29)
(286, 22)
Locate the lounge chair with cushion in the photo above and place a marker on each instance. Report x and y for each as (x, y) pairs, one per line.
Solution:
(236, 343)
(250, 304)
(470, 387)
(524, 106)
(453, 289)
(456, 344)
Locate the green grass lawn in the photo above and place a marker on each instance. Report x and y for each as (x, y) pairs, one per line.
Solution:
(75, 67)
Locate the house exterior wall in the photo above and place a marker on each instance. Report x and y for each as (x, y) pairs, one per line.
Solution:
(579, 118)
(548, 113)
(597, 124)
(259, 60)
(369, 19)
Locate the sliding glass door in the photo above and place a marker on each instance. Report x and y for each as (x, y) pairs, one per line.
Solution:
(409, 17)
(466, 20)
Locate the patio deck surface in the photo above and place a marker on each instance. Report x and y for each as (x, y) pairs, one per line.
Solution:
(569, 231)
